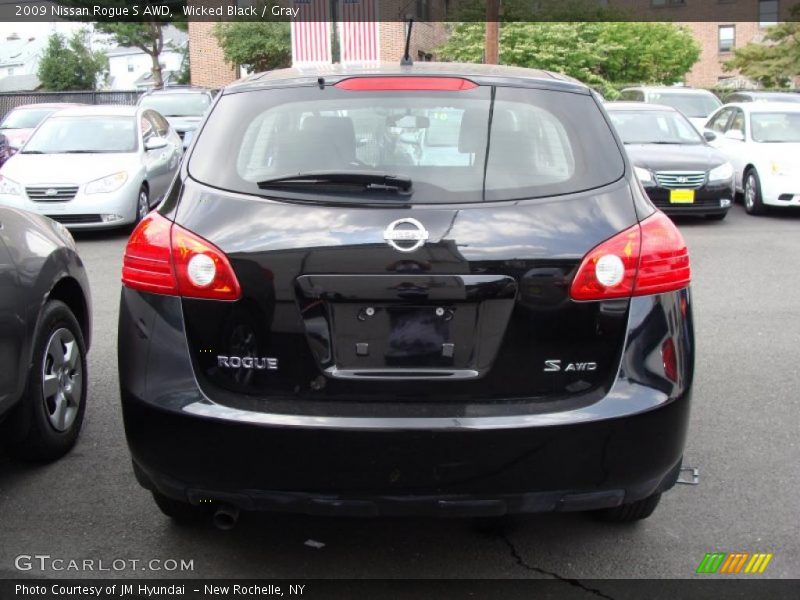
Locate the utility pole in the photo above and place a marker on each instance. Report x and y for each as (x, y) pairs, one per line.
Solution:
(336, 55)
(492, 41)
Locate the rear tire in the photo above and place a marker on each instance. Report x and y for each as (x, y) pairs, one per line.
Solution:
(46, 424)
(629, 513)
(178, 511)
(753, 203)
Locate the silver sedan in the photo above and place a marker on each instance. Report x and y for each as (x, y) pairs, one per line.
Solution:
(94, 167)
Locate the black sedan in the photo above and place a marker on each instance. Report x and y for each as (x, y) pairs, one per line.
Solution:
(45, 326)
(681, 172)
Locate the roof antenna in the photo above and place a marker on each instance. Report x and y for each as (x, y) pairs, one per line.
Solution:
(406, 60)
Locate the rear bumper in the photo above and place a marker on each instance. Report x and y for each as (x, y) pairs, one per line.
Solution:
(619, 449)
(445, 473)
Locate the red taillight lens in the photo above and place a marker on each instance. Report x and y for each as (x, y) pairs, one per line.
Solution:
(214, 279)
(164, 258)
(146, 264)
(664, 265)
(649, 258)
(404, 83)
(625, 247)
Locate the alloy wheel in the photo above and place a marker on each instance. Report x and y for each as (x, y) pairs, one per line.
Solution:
(62, 379)
(750, 192)
(143, 204)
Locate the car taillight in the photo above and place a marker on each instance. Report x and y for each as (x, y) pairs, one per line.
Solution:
(648, 258)
(664, 264)
(164, 258)
(405, 83)
(146, 264)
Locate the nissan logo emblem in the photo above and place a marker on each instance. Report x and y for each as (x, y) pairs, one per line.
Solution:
(405, 235)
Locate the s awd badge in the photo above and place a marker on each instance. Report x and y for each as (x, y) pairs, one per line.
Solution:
(554, 366)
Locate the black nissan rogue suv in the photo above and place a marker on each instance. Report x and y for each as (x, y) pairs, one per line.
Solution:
(435, 289)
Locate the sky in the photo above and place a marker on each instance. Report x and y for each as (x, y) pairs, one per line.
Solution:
(38, 30)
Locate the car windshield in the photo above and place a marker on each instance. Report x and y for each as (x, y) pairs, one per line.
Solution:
(775, 127)
(177, 105)
(692, 105)
(538, 142)
(653, 127)
(25, 118)
(84, 134)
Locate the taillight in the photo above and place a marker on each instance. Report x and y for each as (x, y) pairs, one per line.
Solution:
(146, 264)
(609, 271)
(405, 83)
(664, 265)
(164, 258)
(648, 258)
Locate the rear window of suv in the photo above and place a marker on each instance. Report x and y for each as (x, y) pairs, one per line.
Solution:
(461, 146)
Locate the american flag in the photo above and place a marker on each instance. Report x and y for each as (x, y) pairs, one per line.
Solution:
(359, 31)
(311, 32)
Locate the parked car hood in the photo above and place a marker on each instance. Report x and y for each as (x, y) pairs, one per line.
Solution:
(32, 169)
(184, 123)
(663, 157)
(17, 137)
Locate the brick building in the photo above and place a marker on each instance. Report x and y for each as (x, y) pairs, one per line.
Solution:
(209, 69)
(746, 21)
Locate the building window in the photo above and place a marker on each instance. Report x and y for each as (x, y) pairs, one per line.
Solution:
(767, 12)
(423, 10)
(727, 38)
(663, 3)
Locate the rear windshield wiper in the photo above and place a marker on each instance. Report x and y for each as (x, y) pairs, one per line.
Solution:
(358, 180)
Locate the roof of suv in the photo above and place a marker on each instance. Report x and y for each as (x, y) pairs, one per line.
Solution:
(638, 106)
(336, 72)
(669, 89)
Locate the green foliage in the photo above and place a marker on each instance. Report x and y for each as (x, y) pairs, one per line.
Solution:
(598, 53)
(148, 36)
(776, 62)
(258, 46)
(70, 65)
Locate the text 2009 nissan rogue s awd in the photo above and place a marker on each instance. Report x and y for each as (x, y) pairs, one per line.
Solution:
(435, 289)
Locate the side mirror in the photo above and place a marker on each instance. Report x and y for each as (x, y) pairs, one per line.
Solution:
(734, 134)
(709, 135)
(155, 143)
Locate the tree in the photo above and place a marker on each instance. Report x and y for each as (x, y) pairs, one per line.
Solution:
(775, 62)
(147, 36)
(258, 46)
(599, 53)
(69, 65)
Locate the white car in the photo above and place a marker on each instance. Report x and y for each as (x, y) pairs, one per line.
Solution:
(94, 167)
(695, 104)
(762, 142)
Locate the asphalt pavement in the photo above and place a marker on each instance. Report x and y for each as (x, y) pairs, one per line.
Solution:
(743, 436)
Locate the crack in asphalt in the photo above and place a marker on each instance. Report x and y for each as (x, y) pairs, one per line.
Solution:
(522, 563)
